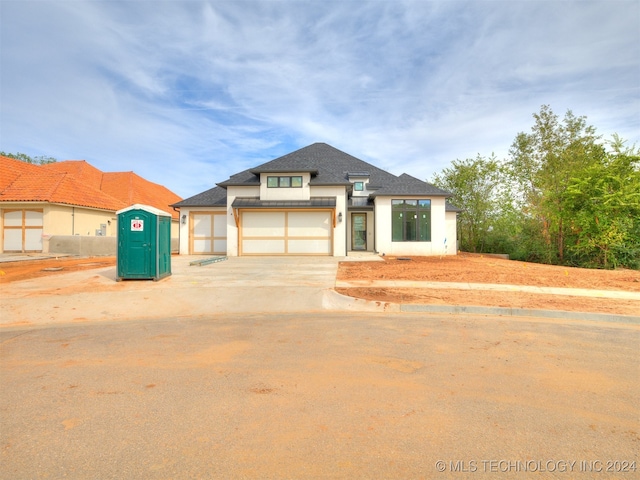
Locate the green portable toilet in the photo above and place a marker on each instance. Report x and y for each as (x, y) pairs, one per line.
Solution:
(144, 243)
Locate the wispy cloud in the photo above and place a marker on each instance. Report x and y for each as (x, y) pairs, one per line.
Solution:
(186, 93)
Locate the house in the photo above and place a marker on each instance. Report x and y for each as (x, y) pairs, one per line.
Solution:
(318, 201)
(68, 198)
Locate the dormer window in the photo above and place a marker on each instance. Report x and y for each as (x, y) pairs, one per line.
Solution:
(285, 182)
(358, 186)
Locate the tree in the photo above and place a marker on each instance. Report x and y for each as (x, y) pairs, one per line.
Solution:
(603, 203)
(23, 157)
(473, 183)
(541, 164)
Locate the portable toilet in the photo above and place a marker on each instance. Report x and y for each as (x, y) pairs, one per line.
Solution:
(144, 243)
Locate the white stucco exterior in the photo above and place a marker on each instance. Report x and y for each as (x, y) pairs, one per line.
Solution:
(439, 231)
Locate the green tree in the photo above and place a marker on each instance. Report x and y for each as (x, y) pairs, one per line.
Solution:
(603, 203)
(541, 164)
(23, 157)
(473, 183)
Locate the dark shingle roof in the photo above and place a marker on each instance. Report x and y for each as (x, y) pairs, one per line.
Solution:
(214, 197)
(328, 166)
(408, 185)
(450, 207)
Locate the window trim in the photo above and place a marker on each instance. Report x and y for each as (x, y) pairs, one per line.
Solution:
(358, 186)
(285, 181)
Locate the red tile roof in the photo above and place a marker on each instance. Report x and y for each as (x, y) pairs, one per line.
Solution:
(76, 182)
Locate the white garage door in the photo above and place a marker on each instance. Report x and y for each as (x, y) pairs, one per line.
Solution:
(22, 231)
(208, 233)
(290, 232)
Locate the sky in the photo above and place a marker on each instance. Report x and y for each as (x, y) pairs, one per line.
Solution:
(186, 93)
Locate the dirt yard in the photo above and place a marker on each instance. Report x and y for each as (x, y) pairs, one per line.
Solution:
(475, 268)
(465, 267)
(25, 269)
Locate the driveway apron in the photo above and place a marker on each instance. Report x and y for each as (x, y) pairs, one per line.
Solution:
(237, 284)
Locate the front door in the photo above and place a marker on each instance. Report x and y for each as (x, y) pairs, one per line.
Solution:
(358, 231)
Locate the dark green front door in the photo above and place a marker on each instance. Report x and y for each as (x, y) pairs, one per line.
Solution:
(358, 231)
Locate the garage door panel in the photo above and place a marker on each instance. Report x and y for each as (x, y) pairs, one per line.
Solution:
(13, 219)
(312, 224)
(220, 246)
(201, 246)
(12, 240)
(263, 247)
(33, 239)
(220, 225)
(310, 247)
(32, 219)
(201, 225)
(263, 224)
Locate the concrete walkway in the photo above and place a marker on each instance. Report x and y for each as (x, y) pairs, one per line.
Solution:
(573, 292)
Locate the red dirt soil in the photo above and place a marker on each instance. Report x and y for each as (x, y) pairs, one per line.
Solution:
(476, 268)
(25, 269)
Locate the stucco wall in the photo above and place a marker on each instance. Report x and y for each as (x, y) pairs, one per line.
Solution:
(452, 229)
(232, 229)
(438, 230)
(301, 193)
(67, 220)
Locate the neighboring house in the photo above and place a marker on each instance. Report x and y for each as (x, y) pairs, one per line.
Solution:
(69, 198)
(318, 201)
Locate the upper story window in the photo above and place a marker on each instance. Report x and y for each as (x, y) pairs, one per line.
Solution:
(411, 220)
(358, 186)
(285, 182)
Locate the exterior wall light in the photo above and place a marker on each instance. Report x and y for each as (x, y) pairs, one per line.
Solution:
(340, 217)
(184, 219)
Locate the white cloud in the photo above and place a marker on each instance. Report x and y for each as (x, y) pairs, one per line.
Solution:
(186, 93)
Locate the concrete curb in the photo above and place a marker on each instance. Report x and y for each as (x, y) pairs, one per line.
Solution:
(336, 301)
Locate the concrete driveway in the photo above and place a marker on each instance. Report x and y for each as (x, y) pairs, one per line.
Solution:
(236, 285)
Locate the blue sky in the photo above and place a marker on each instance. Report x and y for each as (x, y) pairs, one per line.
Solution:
(186, 93)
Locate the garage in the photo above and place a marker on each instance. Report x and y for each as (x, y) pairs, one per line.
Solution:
(208, 233)
(22, 230)
(286, 232)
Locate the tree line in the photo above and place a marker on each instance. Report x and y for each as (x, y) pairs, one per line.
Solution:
(563, 196)
(23, 157)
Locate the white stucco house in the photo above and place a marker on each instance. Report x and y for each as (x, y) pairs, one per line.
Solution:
(318, 201)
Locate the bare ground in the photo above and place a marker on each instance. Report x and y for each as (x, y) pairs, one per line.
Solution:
(476, 268)
(464, 267)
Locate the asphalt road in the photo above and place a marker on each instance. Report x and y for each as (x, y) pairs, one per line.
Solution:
(321, 396)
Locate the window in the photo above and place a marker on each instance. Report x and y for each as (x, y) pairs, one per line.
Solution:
(284, 182)
(411, 220)
(358, 186)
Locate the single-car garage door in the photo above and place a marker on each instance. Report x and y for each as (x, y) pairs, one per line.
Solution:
(22, 231)
(208, 233)
(288, 232)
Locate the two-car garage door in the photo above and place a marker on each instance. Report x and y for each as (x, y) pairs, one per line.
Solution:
(286, 232)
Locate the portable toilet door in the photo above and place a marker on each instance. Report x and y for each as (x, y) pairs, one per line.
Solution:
(140, 240)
